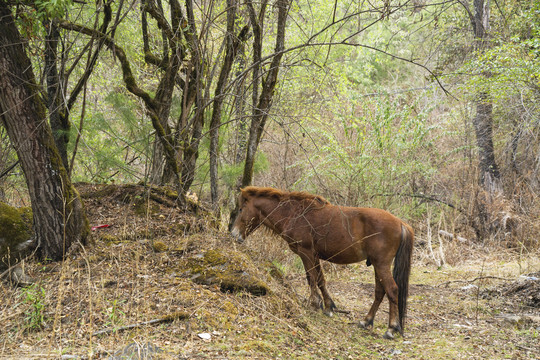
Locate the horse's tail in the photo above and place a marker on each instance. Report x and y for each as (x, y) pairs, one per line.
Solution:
(402, 270)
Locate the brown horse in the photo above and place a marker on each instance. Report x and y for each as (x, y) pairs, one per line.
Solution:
(316, 229)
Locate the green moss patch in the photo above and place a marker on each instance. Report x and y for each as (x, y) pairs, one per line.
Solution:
(15, 223)
(159, 246)
(231, 271)
(15, 228)
(144, 207)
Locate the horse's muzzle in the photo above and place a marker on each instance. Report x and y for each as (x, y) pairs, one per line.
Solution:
(237, 235)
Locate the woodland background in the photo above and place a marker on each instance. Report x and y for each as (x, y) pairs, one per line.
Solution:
(428, 109)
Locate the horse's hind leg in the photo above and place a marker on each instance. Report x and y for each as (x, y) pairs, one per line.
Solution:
(379, 295)
(391, 290)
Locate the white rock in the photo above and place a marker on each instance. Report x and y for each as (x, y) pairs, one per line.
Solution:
(205, 336)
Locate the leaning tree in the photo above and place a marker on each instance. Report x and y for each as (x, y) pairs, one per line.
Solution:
(59, 219)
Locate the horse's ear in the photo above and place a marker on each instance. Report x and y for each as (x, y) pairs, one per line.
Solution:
(241, 198)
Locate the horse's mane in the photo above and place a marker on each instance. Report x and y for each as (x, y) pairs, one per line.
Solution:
(255, 191)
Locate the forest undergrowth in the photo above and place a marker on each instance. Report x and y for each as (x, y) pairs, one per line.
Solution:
(137, 290)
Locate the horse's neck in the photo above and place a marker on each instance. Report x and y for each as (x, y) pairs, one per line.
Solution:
(276, 213)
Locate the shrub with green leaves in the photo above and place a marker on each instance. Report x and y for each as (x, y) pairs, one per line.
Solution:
(34, 297)
(116, 144)
(385, 147)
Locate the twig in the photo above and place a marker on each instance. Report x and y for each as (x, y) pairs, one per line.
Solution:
(5, 172)
(473, 280)
(5, 318)
(168, 318)
(424, 197)
(524, 348)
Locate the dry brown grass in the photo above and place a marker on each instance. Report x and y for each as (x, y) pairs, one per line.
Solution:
(122, 280)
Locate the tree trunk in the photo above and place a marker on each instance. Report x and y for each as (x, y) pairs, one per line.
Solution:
(239, 108)
(164, 96)
(160, 173)
(59, 218)
(265, 100)
(232, 42)
(191, 147)
(57, 114)
(489, 175)
(181, 132)
(157, 107)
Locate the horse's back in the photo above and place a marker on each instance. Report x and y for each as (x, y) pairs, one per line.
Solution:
(349, 234)
(369, 219)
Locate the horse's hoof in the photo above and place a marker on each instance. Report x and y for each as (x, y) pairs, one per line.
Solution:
(316, 303)
(328, 312)
(365, 325)
(388, 335)
(332, 306)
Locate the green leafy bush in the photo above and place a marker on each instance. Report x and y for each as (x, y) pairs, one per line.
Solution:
(34, 297)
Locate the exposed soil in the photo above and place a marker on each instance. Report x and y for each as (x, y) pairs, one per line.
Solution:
(145, 266)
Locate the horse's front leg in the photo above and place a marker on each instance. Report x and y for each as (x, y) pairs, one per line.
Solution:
(311, 267)
(329, 305)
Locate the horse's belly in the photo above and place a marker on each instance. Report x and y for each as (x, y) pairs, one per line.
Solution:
(342, 255)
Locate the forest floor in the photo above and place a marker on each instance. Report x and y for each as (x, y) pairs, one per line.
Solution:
(155, 263)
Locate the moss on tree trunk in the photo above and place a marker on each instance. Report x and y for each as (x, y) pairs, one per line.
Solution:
(15, 234)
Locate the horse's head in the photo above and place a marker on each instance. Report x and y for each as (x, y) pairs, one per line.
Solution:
(248, 217)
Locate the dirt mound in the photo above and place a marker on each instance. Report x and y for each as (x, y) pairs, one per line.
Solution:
(142, 213)
(135, 211)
